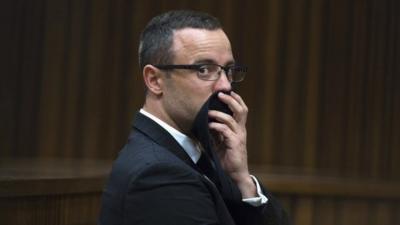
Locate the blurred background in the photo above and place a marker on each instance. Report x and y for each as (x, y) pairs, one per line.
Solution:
(323, 89)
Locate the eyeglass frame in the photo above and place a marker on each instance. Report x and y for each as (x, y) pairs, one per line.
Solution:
(197, 67)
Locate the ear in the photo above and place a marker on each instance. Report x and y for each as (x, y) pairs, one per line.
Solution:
(152, 79)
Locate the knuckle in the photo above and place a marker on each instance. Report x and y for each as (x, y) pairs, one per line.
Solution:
(245, 109)
(224, 128)
(242, 110)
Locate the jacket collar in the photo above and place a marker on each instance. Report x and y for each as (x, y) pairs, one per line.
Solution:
(159, 135)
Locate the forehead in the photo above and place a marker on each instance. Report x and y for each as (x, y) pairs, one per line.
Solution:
(191, 45)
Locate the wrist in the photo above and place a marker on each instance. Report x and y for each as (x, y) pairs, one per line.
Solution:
(247, 186)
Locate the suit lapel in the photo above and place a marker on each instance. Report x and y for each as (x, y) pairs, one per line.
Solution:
(159, 135)
(148, 127)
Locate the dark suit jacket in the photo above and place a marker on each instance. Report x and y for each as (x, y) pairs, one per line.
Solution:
(153, 181)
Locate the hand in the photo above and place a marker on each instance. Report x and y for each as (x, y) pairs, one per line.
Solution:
(231, 136)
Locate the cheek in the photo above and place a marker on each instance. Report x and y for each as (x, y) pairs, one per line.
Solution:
(200, 97)
(190, 94)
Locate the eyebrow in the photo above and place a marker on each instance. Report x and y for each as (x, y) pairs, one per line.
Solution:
(210, 61)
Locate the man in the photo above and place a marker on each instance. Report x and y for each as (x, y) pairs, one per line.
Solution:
(186, 60)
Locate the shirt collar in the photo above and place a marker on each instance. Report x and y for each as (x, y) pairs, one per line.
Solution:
(187, 143)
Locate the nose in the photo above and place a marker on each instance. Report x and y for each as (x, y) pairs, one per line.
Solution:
(222, 84)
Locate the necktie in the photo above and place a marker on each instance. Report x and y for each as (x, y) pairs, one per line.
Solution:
(207, 167)
(210, 166)
(205, 163)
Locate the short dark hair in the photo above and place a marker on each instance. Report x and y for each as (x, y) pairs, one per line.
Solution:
(157, 37)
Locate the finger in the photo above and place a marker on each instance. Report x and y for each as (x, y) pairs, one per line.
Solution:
(229, 100)
(244, 109)
(238, 98)
(224, 118)
(222, 129)
(236, 104)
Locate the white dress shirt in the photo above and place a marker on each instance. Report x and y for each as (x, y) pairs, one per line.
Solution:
(194, 153)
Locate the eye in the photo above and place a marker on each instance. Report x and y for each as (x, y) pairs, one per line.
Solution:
(208, 72)
(204, 70)
(231, 69)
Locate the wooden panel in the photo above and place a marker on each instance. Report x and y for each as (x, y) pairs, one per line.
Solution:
(325, 212)
(382, 213)
(333, 84)
(291, 83)
(375, 90)
(74, 76)
(355, 104)
(38, 177)
(53, 61)
(266, 97)
(51, 191)
(21, 43)
(57, 210)
(303, 211)
(55, 191)
(394, 132)
(312, 88)
(301, 183)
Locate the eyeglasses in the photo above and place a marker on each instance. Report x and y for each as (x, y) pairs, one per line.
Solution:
(211, 72)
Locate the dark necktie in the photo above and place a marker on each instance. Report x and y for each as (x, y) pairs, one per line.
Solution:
(207, 167)
(205, 163)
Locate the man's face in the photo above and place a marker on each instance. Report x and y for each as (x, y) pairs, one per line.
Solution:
(184, 92)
